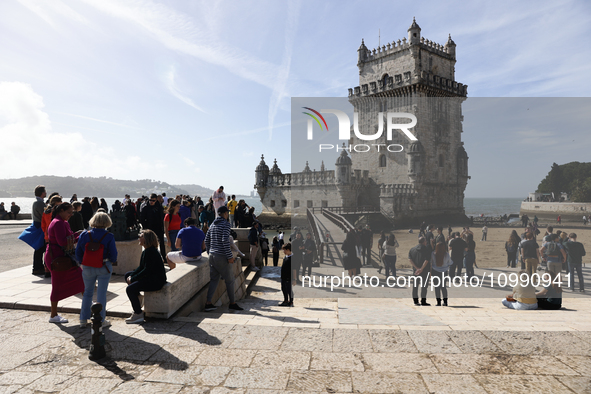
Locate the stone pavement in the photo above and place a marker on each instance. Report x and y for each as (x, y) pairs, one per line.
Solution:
(189, 357)
(334, 345)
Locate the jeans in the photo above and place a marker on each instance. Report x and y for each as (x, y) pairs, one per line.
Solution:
(511, 256)
(441, 288)
(172, 238)
(232, 223)
(91, 275)
(571, 268)
(390, 264)
(469, 259)
(253, 254)
(519, 305)
(133, 291)
(484, 236)
(456, 267)
(425, 275)
(219, 267)
(38, 258)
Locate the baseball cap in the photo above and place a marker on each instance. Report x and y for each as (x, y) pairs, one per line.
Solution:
(222, 209)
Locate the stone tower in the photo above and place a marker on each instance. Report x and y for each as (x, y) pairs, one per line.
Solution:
(413, 75)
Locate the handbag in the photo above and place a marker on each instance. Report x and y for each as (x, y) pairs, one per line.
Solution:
(33, 236)
(62, 263)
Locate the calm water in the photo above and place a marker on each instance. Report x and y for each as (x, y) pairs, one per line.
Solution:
(474, 206)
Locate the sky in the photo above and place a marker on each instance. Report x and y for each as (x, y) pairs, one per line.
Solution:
(195, 92)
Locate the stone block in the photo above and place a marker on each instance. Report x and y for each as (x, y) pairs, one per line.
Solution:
(183, 283)
(129, 254)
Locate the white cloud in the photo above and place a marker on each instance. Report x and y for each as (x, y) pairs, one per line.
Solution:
(47, 10)
(170, 85)
(31, 146)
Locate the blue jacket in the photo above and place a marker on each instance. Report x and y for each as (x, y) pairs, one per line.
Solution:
(110, 250)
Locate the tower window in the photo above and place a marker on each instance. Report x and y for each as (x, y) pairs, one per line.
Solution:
(296, 203)
(382, 160)
(343, 171)
(385, 80)
(272, 203)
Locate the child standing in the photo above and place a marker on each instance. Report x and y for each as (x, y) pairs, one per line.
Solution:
(286, 277)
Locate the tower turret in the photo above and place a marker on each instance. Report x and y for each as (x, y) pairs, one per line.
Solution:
(414, 33)
(361, 55)
(261, 173)
(343, 167)
(450, 47)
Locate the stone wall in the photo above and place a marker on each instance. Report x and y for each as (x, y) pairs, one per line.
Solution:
(551, 210)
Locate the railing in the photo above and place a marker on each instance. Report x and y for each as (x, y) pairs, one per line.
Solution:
(337, 219)
(313, 223)
(347, 210)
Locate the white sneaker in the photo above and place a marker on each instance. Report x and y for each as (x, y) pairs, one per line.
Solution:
(58, 319)
(106, 323)
(135, 318)
(83, 323)
(255, 269)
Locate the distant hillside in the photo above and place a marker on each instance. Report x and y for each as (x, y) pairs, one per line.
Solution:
(572, 178)
(87, 186)
(196, 190)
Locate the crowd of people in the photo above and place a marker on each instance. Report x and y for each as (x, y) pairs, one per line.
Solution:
(77, 251)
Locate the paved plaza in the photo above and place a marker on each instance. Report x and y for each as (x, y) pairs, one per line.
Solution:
(334, 345)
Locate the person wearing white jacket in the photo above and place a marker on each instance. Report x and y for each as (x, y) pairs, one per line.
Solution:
(440, 263)
(389, 256)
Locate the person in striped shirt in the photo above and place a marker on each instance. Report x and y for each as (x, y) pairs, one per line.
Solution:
(220, 259)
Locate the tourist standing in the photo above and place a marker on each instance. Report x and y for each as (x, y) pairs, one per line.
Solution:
(219, 198)
(184, 211)
(280, 238)
(150, 275)
(61, 243)
(350, 260)
(575, 254)
(309, 251)
(366, 244)
(389, 249)
(275, 250)
(511, 246)
(440, 263)
(96, 265)
(554, 252)
(531, 253)
(470, 255)
(559, 219)
(86, 211)
(232, 207)
(151, 218)
(420, 257)
(383, 238)
(265, 247)
(76, 222)
(253, 239)
(172, 224)
(286, 286)
(37, 214)
(484, 233)
(217, 242)
(458, 247)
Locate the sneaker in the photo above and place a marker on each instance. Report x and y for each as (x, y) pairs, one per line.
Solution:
(83, 323)
(255, 269)
(106, 323)
(47, 274)
(235, 307)
(58, 319)
(135, 318)
(39, 272)
(210, 307)
(284, 303)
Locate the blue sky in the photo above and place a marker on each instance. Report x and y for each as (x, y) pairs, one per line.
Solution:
(195, 92)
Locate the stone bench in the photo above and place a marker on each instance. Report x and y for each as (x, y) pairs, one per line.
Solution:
(182, 284)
